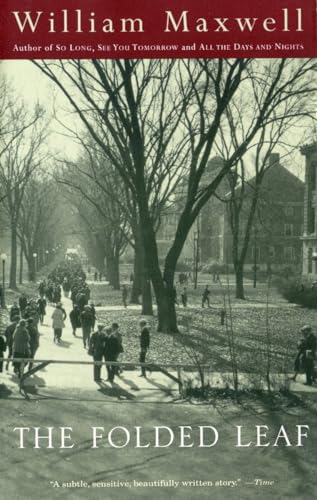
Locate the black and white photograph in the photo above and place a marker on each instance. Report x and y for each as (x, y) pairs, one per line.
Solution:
(158, 253)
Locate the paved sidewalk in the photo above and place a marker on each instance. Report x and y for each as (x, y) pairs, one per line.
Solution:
(156, 387)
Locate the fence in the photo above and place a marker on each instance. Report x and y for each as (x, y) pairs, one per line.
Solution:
(42, 363)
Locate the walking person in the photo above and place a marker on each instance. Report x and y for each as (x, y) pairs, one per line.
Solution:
(116, 331)
(309, 353)
(97, 350)
(144, 344)
(14, 311)
(74, 317)
(23, 302)
(299, 362)
(3, 348)
(58, 317)
(86, 319)
(184, 297)
(41, 303)
(34, 339)
(8, 333)
(93, 315)
(21, 346)
(111, 352)
(124, 296)
(205, 297)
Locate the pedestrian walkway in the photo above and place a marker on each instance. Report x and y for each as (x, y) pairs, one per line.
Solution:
(156, 387)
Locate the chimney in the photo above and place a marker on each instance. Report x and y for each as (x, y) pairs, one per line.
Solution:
(274, 159)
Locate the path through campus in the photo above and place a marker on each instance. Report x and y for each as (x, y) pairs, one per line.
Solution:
(70, 377)
(73, 379)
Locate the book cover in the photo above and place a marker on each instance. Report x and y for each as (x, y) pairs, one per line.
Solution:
(158, 246)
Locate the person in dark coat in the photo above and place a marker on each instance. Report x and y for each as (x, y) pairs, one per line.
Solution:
(116, 331)
(23, 302)
(309, 353)
(81, 300)
(97, 350)
(299, 363)
(3, 348)
(42, 287)
(184, 297)
(66, 287)
(8, 333)
(73, 295)
(205, 297)
(74, 317)
(144, 344)
(34, 339)
(86, 320)
(111, 352)
(93, 313)
(14, 311)
(57, 294)
(124, 296)
(41, 303)
(21, 346)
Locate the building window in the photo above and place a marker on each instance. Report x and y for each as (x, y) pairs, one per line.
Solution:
(288, 229)
(289, 211)
(289, 253)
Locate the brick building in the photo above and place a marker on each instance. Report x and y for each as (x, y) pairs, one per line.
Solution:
(309, 239)
(278, 224)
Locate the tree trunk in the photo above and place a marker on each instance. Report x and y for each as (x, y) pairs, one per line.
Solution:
(239, 282)
(21, 266)
(136, 290)
(166, 312)
(147, 307)
(112, 272)
(31, 268)
(13, 266)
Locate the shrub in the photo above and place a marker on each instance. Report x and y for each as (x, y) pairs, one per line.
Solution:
(296, 293)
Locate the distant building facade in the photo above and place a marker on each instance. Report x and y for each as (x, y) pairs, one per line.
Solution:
(277, 228)
(276, 232)
(309, 239)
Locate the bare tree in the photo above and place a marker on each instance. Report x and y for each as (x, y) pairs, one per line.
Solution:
(99, 211)
(19, 159)
(159, 116)
(37, 221)
(247, 194)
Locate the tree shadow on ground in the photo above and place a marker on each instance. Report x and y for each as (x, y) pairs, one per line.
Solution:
(167, 390)
(114, 391)
(130, 383)
(5, 392)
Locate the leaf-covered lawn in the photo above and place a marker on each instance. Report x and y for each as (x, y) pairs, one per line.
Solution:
(202, 337)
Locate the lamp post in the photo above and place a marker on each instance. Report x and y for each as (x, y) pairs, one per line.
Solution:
(35, 269)
(196, 258)
(3, 259)
(46, 256)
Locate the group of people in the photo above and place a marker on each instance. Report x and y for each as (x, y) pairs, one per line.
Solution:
(106, 344)
(21, 336)
(184, 297)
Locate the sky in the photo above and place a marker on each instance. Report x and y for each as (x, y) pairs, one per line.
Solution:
(31, 84)
(34, 86)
